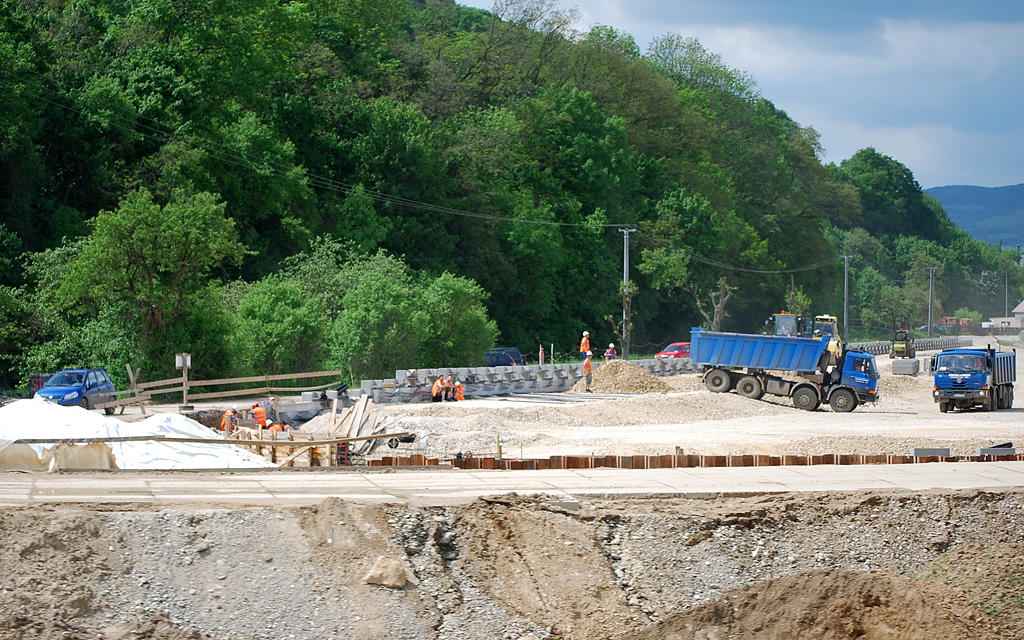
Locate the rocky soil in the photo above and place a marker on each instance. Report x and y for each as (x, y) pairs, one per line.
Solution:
(866, 565)
(869, 565)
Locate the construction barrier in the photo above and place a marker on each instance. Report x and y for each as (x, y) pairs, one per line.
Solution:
(679, 461)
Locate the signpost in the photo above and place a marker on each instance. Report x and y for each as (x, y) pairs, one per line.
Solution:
(183, 361)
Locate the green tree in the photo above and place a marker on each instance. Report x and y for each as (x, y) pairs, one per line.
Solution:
(383, 324)
(459, 330)
(892, 200)
(278, 329)
(152, 258)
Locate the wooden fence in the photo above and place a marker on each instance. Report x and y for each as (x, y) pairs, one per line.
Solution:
(141, 392)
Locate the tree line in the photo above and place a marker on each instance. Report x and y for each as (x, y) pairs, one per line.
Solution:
(378, 184)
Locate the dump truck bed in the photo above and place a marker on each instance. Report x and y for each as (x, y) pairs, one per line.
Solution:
(764, 352)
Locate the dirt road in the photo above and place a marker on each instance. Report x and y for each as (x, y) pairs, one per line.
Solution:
(701, 422)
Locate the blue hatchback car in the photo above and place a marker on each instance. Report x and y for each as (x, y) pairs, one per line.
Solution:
(83, 387)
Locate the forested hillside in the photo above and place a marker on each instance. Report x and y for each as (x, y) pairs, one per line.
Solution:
(276, 186)
(992, 214)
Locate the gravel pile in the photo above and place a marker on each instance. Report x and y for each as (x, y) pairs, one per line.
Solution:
(620, 376)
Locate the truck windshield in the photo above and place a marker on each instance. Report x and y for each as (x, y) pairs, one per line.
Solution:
(956, 363)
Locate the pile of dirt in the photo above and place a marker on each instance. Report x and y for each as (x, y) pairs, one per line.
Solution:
(836, 604)
(620, 376)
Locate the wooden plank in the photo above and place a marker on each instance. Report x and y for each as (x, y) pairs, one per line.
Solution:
(276, 376)
(343, 424)
(353, 430)
(334, 414)
(133, 377)
(273, 443)
(295, 455)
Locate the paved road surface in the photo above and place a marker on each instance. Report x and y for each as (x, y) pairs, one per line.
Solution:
(441, 487)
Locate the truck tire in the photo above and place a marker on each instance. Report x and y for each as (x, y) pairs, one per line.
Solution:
(718, 381)
(943, 406)
(842, 401)
(990, 401)
(805, 398)
(750, 387)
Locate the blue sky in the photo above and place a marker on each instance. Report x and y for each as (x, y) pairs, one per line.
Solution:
(938, 85)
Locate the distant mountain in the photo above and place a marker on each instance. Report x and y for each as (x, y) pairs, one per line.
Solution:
(990, 214)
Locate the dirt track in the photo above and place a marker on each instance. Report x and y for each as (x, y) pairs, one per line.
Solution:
(862, 565)
(690, 417)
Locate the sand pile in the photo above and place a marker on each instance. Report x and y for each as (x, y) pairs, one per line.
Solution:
(620, 376)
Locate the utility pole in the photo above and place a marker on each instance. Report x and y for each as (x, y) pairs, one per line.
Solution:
(931, 298)
(625, 289)
(846, 298)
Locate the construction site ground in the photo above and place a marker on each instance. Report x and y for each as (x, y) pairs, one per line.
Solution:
(669, 565)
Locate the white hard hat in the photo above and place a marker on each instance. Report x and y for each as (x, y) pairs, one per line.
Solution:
(611, 344)
(586, 333)
(589, 354)
(235, 407)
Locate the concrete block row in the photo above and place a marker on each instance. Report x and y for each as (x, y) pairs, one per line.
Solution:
(413, 385)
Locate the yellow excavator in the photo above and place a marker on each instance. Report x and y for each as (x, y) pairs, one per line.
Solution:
(790, 324)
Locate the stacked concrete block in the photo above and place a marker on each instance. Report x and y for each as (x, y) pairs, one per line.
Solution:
(906, 367)
(413, 385)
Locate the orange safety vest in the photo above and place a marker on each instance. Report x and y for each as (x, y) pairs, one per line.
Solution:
(438, 385)
(226, 420)
(259, 414)
(458, 392)
(274, 427)
(610, 354)
(585, 344)
(586, 366)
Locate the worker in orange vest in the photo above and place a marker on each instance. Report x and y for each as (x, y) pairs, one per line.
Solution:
(588, 372)
(610, 353)
(229, 420)
(458, 391)
(437, 391)
(259, 415)
(585, 342)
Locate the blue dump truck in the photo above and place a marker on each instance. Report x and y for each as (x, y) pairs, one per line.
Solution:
(974, 377)
(754, 365)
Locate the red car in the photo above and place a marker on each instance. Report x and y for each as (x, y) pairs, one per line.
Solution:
(675, 350)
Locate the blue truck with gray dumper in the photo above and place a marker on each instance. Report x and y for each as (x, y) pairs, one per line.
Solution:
(974, 377)
(804, 369)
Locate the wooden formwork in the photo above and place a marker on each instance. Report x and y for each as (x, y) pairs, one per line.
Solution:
(362, 423)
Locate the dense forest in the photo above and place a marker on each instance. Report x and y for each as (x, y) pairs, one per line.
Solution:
(277, 186)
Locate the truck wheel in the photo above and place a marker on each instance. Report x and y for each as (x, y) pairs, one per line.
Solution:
(842, 401)
(943, 406)
(717, 381)
(990, 401)
(805, 398)
(750, 387)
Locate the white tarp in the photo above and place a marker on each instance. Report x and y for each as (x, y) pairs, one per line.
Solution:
(38, 419)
